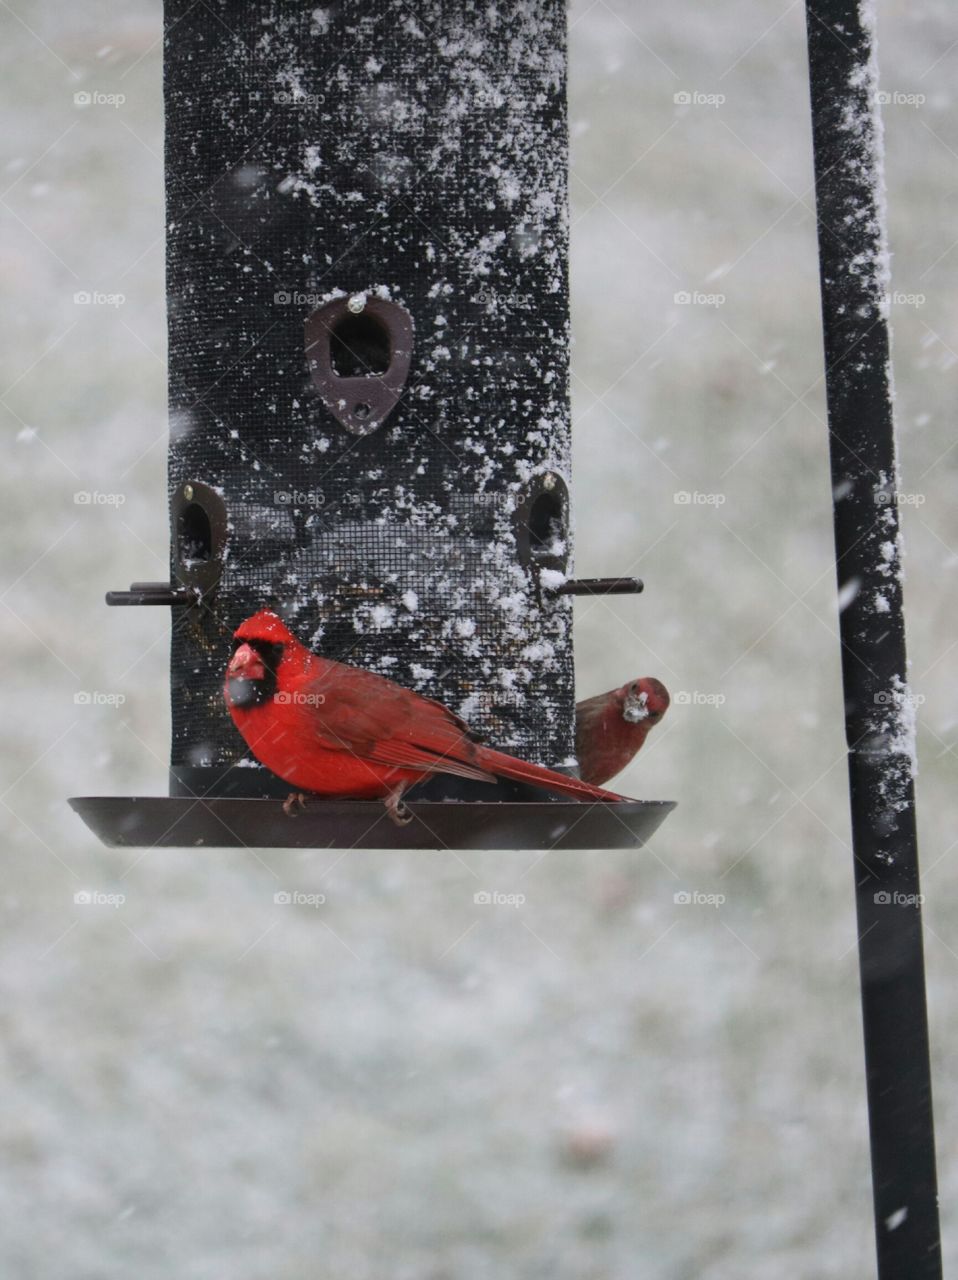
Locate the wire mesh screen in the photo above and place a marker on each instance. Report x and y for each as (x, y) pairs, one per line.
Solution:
(417, 155)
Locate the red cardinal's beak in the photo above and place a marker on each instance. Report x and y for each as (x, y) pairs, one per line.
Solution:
(246, 664)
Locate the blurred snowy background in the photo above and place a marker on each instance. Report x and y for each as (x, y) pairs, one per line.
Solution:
(601, 1083)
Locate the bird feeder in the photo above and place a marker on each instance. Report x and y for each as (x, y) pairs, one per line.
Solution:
(370, 432)
(369, 402)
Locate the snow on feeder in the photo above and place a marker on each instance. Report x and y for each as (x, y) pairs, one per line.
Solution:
(370, 421)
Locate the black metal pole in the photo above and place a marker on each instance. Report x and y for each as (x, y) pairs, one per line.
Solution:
(879, 720)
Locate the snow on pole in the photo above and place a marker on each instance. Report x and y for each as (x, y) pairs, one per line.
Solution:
(879, 710)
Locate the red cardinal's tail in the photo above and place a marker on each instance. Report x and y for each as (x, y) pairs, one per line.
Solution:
(523, 771)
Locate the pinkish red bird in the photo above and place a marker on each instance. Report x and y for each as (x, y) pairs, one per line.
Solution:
(337, 730)
(611, 728)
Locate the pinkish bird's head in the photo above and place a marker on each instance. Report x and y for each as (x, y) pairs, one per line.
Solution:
(644, 701)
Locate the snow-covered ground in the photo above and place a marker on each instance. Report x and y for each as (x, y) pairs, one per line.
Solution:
(600, 1082)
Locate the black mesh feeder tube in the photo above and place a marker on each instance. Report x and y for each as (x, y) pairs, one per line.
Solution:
(369, 406)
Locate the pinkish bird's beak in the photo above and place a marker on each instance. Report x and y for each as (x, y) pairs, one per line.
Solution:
(246, 664)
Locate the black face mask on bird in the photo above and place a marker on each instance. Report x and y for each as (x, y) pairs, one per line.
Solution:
(251, 673)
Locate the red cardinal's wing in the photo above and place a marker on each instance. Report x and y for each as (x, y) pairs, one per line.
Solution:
(378, 720)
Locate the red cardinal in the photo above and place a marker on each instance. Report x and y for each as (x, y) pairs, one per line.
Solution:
(611, 728)
(337, 730)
